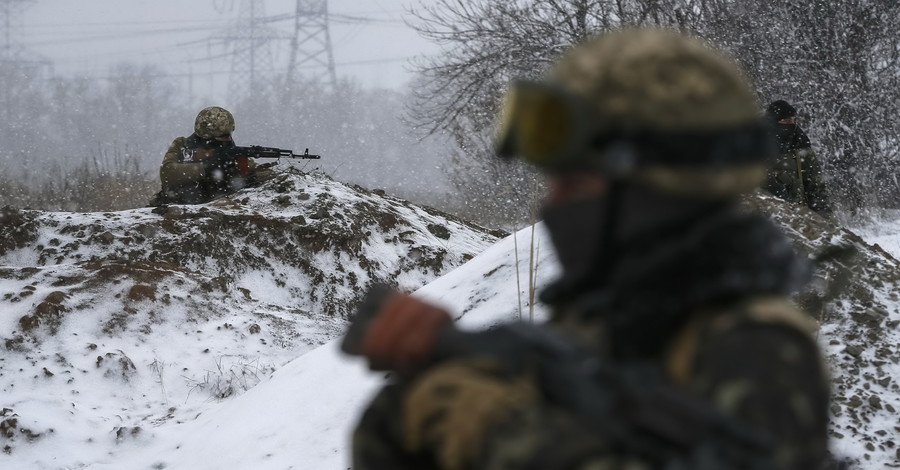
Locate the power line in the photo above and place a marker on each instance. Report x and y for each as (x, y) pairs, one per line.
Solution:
(120, 23)
(122, 35)
(270, 71)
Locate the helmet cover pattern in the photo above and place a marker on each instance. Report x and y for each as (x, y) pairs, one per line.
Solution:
(213, 122)
(663, 82)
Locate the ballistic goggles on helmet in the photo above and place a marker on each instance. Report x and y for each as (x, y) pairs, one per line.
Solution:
(558, 131)
(544, 125)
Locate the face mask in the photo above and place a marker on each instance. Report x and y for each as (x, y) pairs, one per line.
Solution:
(578, 231)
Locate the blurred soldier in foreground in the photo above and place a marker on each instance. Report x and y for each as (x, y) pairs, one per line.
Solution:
(198, 168)
(672, 343)
(796, 173)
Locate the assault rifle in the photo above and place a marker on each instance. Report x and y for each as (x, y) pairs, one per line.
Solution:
(238, 157)
(256, 151)
(631, 407)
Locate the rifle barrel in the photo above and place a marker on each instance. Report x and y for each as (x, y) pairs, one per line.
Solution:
(257, 151)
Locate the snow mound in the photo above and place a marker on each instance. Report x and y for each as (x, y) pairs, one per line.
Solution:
(303, 416)
(197, 390)
(853, 297)
(115, 323)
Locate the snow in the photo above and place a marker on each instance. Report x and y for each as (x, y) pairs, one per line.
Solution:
(302, 417)
(229, 306)
(208, 393)
(883, 231)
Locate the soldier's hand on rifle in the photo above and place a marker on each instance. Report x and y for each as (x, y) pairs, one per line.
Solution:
(402, 333)
(219, 164)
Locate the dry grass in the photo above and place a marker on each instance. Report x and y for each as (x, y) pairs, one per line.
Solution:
(88, 188)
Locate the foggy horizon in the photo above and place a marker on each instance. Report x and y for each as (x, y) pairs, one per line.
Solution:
(371, 43)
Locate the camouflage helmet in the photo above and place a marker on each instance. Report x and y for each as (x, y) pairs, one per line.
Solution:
(657, 107)
(213, 122)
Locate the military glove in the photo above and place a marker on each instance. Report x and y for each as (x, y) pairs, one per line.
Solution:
(403, 333)
(451, 409)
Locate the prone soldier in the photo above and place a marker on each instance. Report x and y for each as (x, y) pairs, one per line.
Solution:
(208, 164)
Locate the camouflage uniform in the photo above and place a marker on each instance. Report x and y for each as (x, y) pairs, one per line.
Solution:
(713, 317)
(185, 179)
(662, 274)
(796, 175)
(710, 314)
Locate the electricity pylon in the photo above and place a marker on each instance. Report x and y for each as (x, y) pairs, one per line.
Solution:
(11, 23)
(19, 68)
(249, 42)
(311, 59)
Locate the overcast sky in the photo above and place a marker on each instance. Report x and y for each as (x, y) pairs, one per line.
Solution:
(371, 43)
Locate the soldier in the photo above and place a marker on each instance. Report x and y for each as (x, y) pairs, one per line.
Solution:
(194, 171)
(649, 138)
(796, 174)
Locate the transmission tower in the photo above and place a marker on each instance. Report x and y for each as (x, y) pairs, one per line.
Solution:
(311, 59)
(11, 29)
(19, 68)
(249, 42)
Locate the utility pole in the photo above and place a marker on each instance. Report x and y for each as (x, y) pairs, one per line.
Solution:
(312, 58)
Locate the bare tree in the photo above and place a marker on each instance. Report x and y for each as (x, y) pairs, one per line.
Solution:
(485, 44)
(837, 60)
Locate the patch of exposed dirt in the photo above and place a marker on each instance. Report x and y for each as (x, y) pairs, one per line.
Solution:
(12, 431)
(47, 314)
(18, 228)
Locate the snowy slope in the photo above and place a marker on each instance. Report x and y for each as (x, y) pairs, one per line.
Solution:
(114, 324)
(302, 417)
(884, 231)
(484, 291)
(307, 427)
(856, 299)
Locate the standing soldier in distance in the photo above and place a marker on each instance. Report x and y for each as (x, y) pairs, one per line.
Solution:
(193, 172)
(796, 173)
(649, 138)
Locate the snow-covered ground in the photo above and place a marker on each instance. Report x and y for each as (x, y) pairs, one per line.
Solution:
(233, 390)
(116, 325)
(884, 231)
(301, 418)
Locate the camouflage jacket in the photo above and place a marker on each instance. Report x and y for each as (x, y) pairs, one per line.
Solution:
(184, 178)
(796, 174)
(710, 311)
(707, 313)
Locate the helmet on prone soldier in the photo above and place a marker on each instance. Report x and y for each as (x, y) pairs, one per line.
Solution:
(213, 122)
